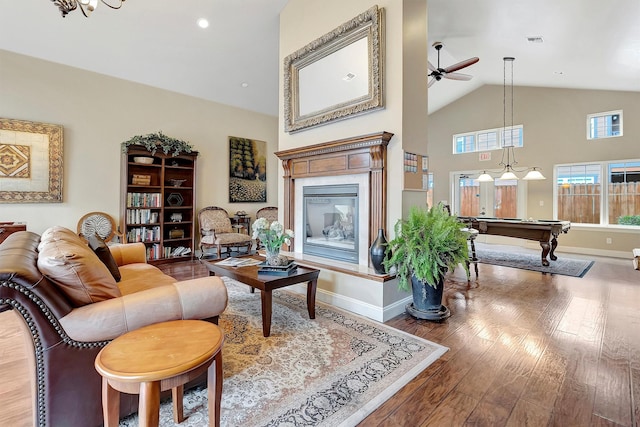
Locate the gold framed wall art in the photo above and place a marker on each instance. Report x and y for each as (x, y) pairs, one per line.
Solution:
(247, 170)
(30, 162)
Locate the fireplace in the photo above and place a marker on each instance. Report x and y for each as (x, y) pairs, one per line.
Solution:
(354, 164)
(330, 221)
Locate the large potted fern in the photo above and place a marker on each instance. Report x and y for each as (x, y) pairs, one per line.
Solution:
(426, 245)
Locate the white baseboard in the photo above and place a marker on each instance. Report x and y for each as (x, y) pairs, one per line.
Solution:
(379, 314)
(509, 241)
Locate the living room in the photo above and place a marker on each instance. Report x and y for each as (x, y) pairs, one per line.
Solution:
(99, 112)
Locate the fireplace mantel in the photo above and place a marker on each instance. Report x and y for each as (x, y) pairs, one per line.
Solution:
(360, 154)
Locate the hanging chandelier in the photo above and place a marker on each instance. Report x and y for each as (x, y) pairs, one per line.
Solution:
(86, 6)
(508, 161)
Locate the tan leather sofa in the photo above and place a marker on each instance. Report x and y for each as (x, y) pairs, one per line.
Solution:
(73, 306)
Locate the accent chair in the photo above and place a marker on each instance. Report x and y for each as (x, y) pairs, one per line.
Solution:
(216, 232)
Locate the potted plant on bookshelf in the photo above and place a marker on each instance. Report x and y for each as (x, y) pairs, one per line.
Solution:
(426, 245)
(158, 141)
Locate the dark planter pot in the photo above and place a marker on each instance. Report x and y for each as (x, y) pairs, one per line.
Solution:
(378, 251)
(427, 301)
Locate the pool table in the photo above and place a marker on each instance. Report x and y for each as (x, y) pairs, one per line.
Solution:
(544, 231)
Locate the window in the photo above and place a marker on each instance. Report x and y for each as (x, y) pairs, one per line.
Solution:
(464, 143)
(578, 193)
(430, 189)
(624, 193)
(488, 139)
(500, 198)
(505, 198)
(604, 125)
(606, 193)
(512, 137)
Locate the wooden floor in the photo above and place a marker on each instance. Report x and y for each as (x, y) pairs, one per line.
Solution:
(526, 349)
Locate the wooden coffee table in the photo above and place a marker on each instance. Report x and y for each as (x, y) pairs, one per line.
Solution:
(267, 283)
(160, 357)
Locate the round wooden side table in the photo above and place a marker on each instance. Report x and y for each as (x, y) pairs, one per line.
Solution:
(160, 357)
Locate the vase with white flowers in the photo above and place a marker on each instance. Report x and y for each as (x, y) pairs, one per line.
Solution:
(272, 235)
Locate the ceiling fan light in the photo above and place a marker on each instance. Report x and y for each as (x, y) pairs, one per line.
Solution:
(508, 175)
(89, 4)
(485, 177)
(534, 175)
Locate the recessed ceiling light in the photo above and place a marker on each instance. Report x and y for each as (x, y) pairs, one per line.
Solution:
(559, 73)
(244, 84)
(203, 23)
(535, 39)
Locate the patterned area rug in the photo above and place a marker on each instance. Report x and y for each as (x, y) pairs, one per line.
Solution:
(529, 259)
(330, 371)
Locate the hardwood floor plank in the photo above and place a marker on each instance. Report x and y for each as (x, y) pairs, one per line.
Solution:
(488, 414)
(453, 411)
(415, 410)
(506, 389)
(528, 414)
(613, 383)
(15, 372)
(482, 375)
(571, 321)
(635, 394)
(545, 381)
(405, 394)
(574, 404)
(598, 421)
(524, 361)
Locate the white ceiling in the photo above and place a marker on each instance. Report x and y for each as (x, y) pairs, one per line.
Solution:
(593, 44)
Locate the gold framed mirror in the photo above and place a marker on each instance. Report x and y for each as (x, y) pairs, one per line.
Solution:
(336, 76)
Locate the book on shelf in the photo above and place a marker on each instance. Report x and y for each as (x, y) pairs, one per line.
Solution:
(179, 251)
(143, 234)
(137, 200)
(141, 216)
(154, 251)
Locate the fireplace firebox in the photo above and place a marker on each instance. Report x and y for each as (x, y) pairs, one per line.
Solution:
(330, 215)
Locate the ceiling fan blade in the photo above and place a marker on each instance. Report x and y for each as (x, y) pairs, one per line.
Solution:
(457, 76)
(431, 82)
(430, 66)
(460, 65)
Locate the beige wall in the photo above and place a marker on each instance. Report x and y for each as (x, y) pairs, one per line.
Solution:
(554, 133)
(100, 112)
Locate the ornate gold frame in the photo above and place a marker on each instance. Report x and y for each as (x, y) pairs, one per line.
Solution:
(368, 25)
(12, 131)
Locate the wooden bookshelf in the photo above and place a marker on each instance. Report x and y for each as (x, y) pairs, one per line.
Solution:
(158, 203)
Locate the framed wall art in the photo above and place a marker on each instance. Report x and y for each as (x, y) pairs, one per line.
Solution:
(247, 170)
(30, 162)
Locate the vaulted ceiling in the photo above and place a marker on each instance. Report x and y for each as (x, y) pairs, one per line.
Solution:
(585, 44)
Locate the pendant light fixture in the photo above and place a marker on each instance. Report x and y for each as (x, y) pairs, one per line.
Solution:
(508, 161)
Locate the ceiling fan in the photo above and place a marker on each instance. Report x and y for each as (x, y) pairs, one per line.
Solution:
(448, 72)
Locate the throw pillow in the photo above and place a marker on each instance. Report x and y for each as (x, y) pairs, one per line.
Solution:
(102, 250)
(77, 271)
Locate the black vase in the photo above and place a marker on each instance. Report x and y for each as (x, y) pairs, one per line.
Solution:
(378, 251)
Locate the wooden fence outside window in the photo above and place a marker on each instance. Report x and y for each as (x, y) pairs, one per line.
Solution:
(578, 203)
